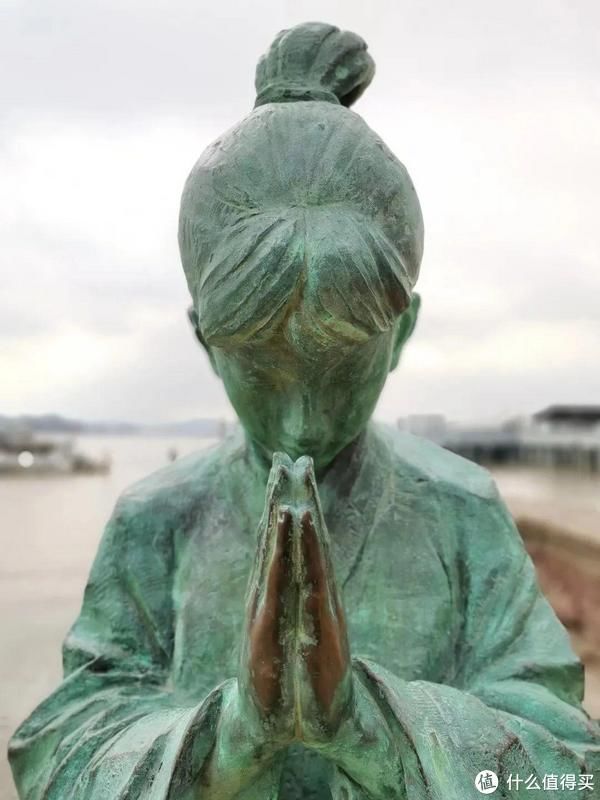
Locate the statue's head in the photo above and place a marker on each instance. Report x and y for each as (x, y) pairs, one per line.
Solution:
(301, 238)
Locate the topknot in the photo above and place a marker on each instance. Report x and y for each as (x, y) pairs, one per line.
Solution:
(314, 61)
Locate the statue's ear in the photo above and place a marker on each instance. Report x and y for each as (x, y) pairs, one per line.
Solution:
(405, 325)
(193, 318)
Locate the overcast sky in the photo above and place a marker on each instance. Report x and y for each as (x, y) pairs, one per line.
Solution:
(105, 105)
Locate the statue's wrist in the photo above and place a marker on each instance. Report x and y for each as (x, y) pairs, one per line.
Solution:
(320, 725)
(242, 754)
(364, 746)
(241, 730)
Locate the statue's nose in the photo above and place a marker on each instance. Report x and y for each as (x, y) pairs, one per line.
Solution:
(299, 418)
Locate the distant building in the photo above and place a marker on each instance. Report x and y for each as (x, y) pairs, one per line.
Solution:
(429, 426)
(560, 435)
(568, 416)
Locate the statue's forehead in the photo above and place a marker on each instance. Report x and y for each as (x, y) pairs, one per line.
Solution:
(304, 346)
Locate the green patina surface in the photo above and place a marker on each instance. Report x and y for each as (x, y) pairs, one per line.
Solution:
(301, 239)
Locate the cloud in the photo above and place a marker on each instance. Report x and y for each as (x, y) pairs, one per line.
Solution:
(108, 106)
(128, 57)
(88, 223)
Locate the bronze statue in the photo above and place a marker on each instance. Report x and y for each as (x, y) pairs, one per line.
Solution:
(319, 607)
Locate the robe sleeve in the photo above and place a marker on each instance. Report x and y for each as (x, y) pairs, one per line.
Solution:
(512, 703)
(114, 728)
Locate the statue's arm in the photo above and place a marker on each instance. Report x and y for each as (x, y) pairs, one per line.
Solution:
(114, 728)
(513, 705)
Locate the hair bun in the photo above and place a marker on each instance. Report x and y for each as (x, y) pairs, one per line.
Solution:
(314, 61)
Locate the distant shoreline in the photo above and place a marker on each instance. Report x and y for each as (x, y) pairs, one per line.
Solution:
(205, 427)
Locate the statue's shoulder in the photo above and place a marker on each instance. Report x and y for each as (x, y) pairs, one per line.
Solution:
(178, 489)
(461, 496)
(421, 460)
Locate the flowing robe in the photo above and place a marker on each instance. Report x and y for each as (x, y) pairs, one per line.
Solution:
(454, 646)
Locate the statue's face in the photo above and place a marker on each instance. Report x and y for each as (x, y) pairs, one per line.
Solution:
(305, 400)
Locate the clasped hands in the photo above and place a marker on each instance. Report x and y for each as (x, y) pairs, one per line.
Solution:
(295, 669)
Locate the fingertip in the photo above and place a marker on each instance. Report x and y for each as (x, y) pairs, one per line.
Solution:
(304, 474)
(279, 479)
(281, 459)
(305, 464)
